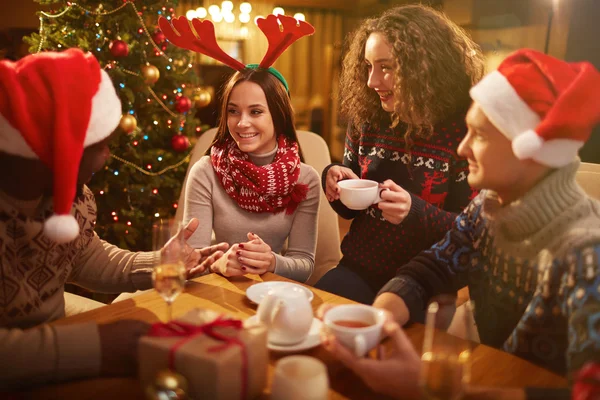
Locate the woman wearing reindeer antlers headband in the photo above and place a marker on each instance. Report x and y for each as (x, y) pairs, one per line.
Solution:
(252, 188)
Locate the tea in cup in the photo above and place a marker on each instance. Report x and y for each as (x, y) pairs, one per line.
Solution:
(356, 326)
(359, 194)
(288, 315)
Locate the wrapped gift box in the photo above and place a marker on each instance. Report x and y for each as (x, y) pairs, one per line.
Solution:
(213, 367)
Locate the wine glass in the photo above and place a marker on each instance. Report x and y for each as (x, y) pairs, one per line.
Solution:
(446, 358)
(169, 274)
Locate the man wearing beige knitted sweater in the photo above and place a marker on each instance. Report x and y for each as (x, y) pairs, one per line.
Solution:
(57, 113)
(528, 246)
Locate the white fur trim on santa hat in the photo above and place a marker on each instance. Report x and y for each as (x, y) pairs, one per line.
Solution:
(526, 144)
(503, 106)
(557, 153)
(106, 112)
(105, 117)
(12, 142)
(61, 228)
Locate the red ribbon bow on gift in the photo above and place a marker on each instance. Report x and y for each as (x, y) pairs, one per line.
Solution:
(190, 331)
(587, 382)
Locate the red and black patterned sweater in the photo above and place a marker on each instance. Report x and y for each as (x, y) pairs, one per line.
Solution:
(436, 178)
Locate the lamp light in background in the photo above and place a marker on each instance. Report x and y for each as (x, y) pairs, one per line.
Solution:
(227, 6)
(229, 22)
(299, 17)
(244, 18)
(278, 11)
(229, 17)
(245, 8)
(191, 14)
(201, 12)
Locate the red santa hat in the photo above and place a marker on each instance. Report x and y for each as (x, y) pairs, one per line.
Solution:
(52, 106)
(545, 106)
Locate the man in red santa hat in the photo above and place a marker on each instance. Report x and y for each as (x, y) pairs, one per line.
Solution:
(528, 246)
(57, 113)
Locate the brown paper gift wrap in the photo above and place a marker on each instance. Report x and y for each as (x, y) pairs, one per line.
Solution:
(214, 370)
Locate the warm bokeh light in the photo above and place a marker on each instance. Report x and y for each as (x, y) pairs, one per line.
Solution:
(278, 11)
(227, 5)
(191, 14)
(244, 18)
(299, 17)
(201, 12)
(229, 17)
(245, 8)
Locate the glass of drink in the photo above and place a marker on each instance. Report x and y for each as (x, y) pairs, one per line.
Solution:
(445, 371)
(169, 274)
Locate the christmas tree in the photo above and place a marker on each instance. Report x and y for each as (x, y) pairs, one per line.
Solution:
(155, 82)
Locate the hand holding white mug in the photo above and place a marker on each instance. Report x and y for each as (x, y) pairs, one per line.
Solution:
(396, 202)
(360, 194)
(334, 175)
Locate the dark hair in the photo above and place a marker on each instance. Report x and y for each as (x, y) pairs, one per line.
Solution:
(435, 65)
(278, 102)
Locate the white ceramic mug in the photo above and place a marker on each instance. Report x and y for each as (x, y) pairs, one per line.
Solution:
(366, 332)
(288, 315)
(359, 194)
(300, 378)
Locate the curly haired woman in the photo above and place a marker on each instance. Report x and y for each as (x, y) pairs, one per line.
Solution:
(405, 92)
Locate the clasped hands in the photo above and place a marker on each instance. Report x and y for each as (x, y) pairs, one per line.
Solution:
(251, 257)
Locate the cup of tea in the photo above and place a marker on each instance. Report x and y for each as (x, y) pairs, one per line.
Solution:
(359, 194)
(300, 378)
(356, 326)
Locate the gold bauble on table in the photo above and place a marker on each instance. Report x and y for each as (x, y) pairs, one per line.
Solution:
(202, 98)
(128, 123)
(150, 73)
(167, 385)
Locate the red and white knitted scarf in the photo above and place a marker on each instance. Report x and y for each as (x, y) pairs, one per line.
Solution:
(269, 188)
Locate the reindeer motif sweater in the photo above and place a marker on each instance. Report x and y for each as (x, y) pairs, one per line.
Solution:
(432, 173)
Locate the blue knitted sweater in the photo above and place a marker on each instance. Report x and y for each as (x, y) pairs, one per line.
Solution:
(532, 268)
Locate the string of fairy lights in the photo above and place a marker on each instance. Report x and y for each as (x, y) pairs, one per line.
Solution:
(158, 51)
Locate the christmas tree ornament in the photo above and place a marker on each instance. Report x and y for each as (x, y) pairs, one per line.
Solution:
(159, 37)
(150, 74)
(183, 104)
(128, 123)
(180, 143)
(202, 98)
(168, 385)
(118, 48)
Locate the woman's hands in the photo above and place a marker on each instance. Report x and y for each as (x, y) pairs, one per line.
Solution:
(334, 175)
(252, 257)
(395, 202)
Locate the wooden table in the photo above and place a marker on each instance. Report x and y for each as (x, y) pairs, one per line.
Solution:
(490, 367)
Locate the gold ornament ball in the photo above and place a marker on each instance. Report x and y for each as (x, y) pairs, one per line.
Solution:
(150, 74)
(202, 98)
(128, 123)
(167, 384)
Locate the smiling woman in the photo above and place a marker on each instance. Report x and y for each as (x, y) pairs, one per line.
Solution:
(252, 185)
(404, 91)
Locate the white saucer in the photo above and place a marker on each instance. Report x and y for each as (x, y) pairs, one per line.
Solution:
(257, 292)
(312, 339)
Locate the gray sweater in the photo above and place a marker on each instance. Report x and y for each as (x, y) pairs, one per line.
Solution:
(206, 200)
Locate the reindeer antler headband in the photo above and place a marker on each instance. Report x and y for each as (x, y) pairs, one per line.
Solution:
(281, 31)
